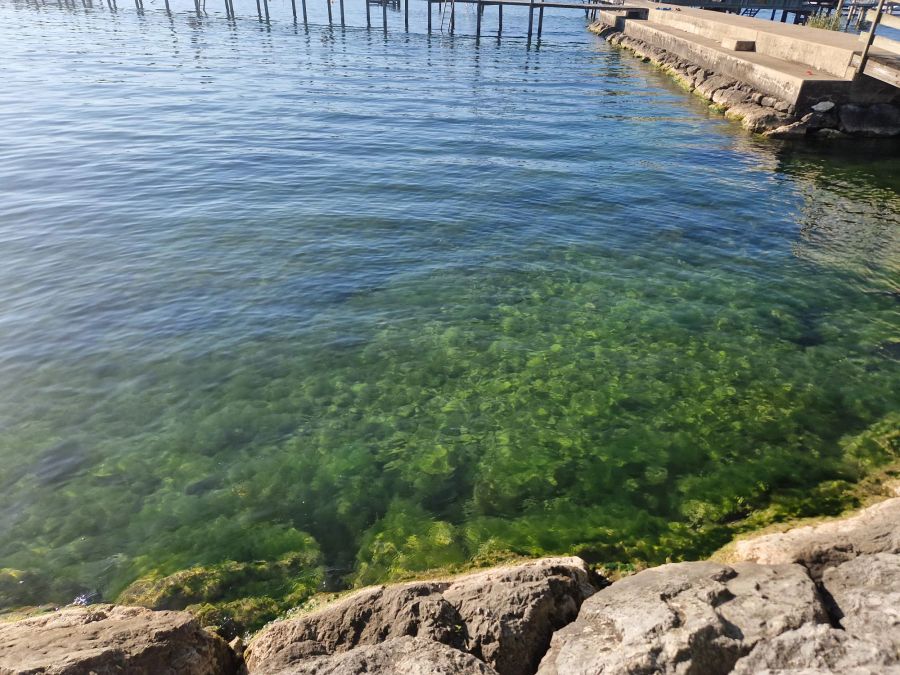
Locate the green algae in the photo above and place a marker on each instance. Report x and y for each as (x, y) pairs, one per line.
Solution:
(527, 413)
(231, 597)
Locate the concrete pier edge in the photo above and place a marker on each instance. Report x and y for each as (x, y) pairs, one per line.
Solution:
(769, 101)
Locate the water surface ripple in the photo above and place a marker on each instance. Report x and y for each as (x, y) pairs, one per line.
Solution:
(396, 302)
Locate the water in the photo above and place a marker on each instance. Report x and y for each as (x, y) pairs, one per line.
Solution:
(330, 299)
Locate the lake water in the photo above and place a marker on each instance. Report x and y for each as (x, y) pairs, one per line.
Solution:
(393, 302)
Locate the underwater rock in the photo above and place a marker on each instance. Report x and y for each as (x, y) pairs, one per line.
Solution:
(110, 639)
(866, 594)
(398, 656)
(819, 649)
(695, 617)
(828, 544)
(504, 615)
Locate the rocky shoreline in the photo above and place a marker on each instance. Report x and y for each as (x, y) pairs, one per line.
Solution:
(815, 599)
(757, 111)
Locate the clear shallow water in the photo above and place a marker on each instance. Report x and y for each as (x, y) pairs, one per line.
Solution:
(401, 302)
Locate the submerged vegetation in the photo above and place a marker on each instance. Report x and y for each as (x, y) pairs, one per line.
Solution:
(278, 315)
(596, 411)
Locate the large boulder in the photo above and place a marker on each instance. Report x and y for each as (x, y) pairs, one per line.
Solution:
(828, 544)
(107, 639)
(504, 616)
(866, 595)
(880, 119)
(397, 656)
(698, 617)
(511, 612)
(368, 617)
(819, 650)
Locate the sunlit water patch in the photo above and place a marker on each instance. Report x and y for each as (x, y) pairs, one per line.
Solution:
(387, 303)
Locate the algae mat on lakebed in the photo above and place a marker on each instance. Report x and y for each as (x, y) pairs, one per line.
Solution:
(335, 344)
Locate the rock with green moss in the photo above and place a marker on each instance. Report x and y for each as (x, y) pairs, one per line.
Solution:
(231, 597)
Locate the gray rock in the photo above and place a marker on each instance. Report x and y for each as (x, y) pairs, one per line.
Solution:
(823, 106)
(828, 544)
(820, 650)
(830, 133)
(712, 84)
(730, 97)
(757, 119)
(368, 617)
(683, 618)
(793, 130)
(511, 612)
(880, 119)
(504, 616)
(768, 101)
(107, 639)
(866, 592)
(782, 106)
(399, 656)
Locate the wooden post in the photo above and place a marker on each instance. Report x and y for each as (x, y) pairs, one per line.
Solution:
(303, 7)
(384, 14)
(540, 20)
(530, 19)
(478, 20)
(328, 3)
(452, 16)
(258, 10)
(294, 9)
(429, 17)
(499, 20)
(871, 38)
(368, 14)
(266, 6)
(406, 15)
(342, 13)
(168, 9)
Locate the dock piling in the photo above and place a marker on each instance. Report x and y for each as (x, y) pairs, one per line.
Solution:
(342, 13)
(499, 20)
(429, 17)
(406, 15)
(368, 14)
(328, 4)
(530, 19)
(478, 21)
(540, 21)
(384, 15)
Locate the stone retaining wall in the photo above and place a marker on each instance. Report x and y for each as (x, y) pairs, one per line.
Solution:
(757, 111)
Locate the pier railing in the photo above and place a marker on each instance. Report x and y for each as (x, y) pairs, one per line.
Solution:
(886, 65)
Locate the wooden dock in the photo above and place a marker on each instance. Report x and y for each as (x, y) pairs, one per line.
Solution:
(591, 9)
